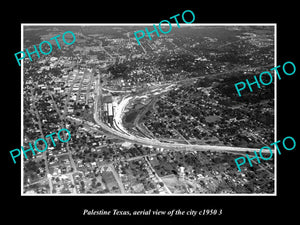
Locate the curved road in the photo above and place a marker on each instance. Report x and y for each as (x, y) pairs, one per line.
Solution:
(155, 143)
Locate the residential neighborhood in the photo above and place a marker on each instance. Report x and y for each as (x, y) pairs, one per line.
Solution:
(140, 116)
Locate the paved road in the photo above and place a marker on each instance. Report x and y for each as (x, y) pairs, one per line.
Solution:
(116, 175)
(63, 125)
(165, 187)
(43, 136)
(158, 144)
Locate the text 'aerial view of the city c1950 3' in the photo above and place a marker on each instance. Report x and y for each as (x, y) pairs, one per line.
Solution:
(158, 118)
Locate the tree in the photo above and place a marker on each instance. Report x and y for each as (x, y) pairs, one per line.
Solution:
(249, 187)
(161, 184)
(114, 188)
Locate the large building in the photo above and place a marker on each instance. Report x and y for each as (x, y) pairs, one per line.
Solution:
(108, 108)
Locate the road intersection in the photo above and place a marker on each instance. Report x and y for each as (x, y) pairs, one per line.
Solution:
(122, 133)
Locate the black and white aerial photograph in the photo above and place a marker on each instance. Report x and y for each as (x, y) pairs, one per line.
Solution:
(162, 117)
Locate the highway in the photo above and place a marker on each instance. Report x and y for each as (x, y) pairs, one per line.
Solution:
(122, 133)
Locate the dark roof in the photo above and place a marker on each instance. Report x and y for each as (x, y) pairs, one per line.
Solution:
(107, 98)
